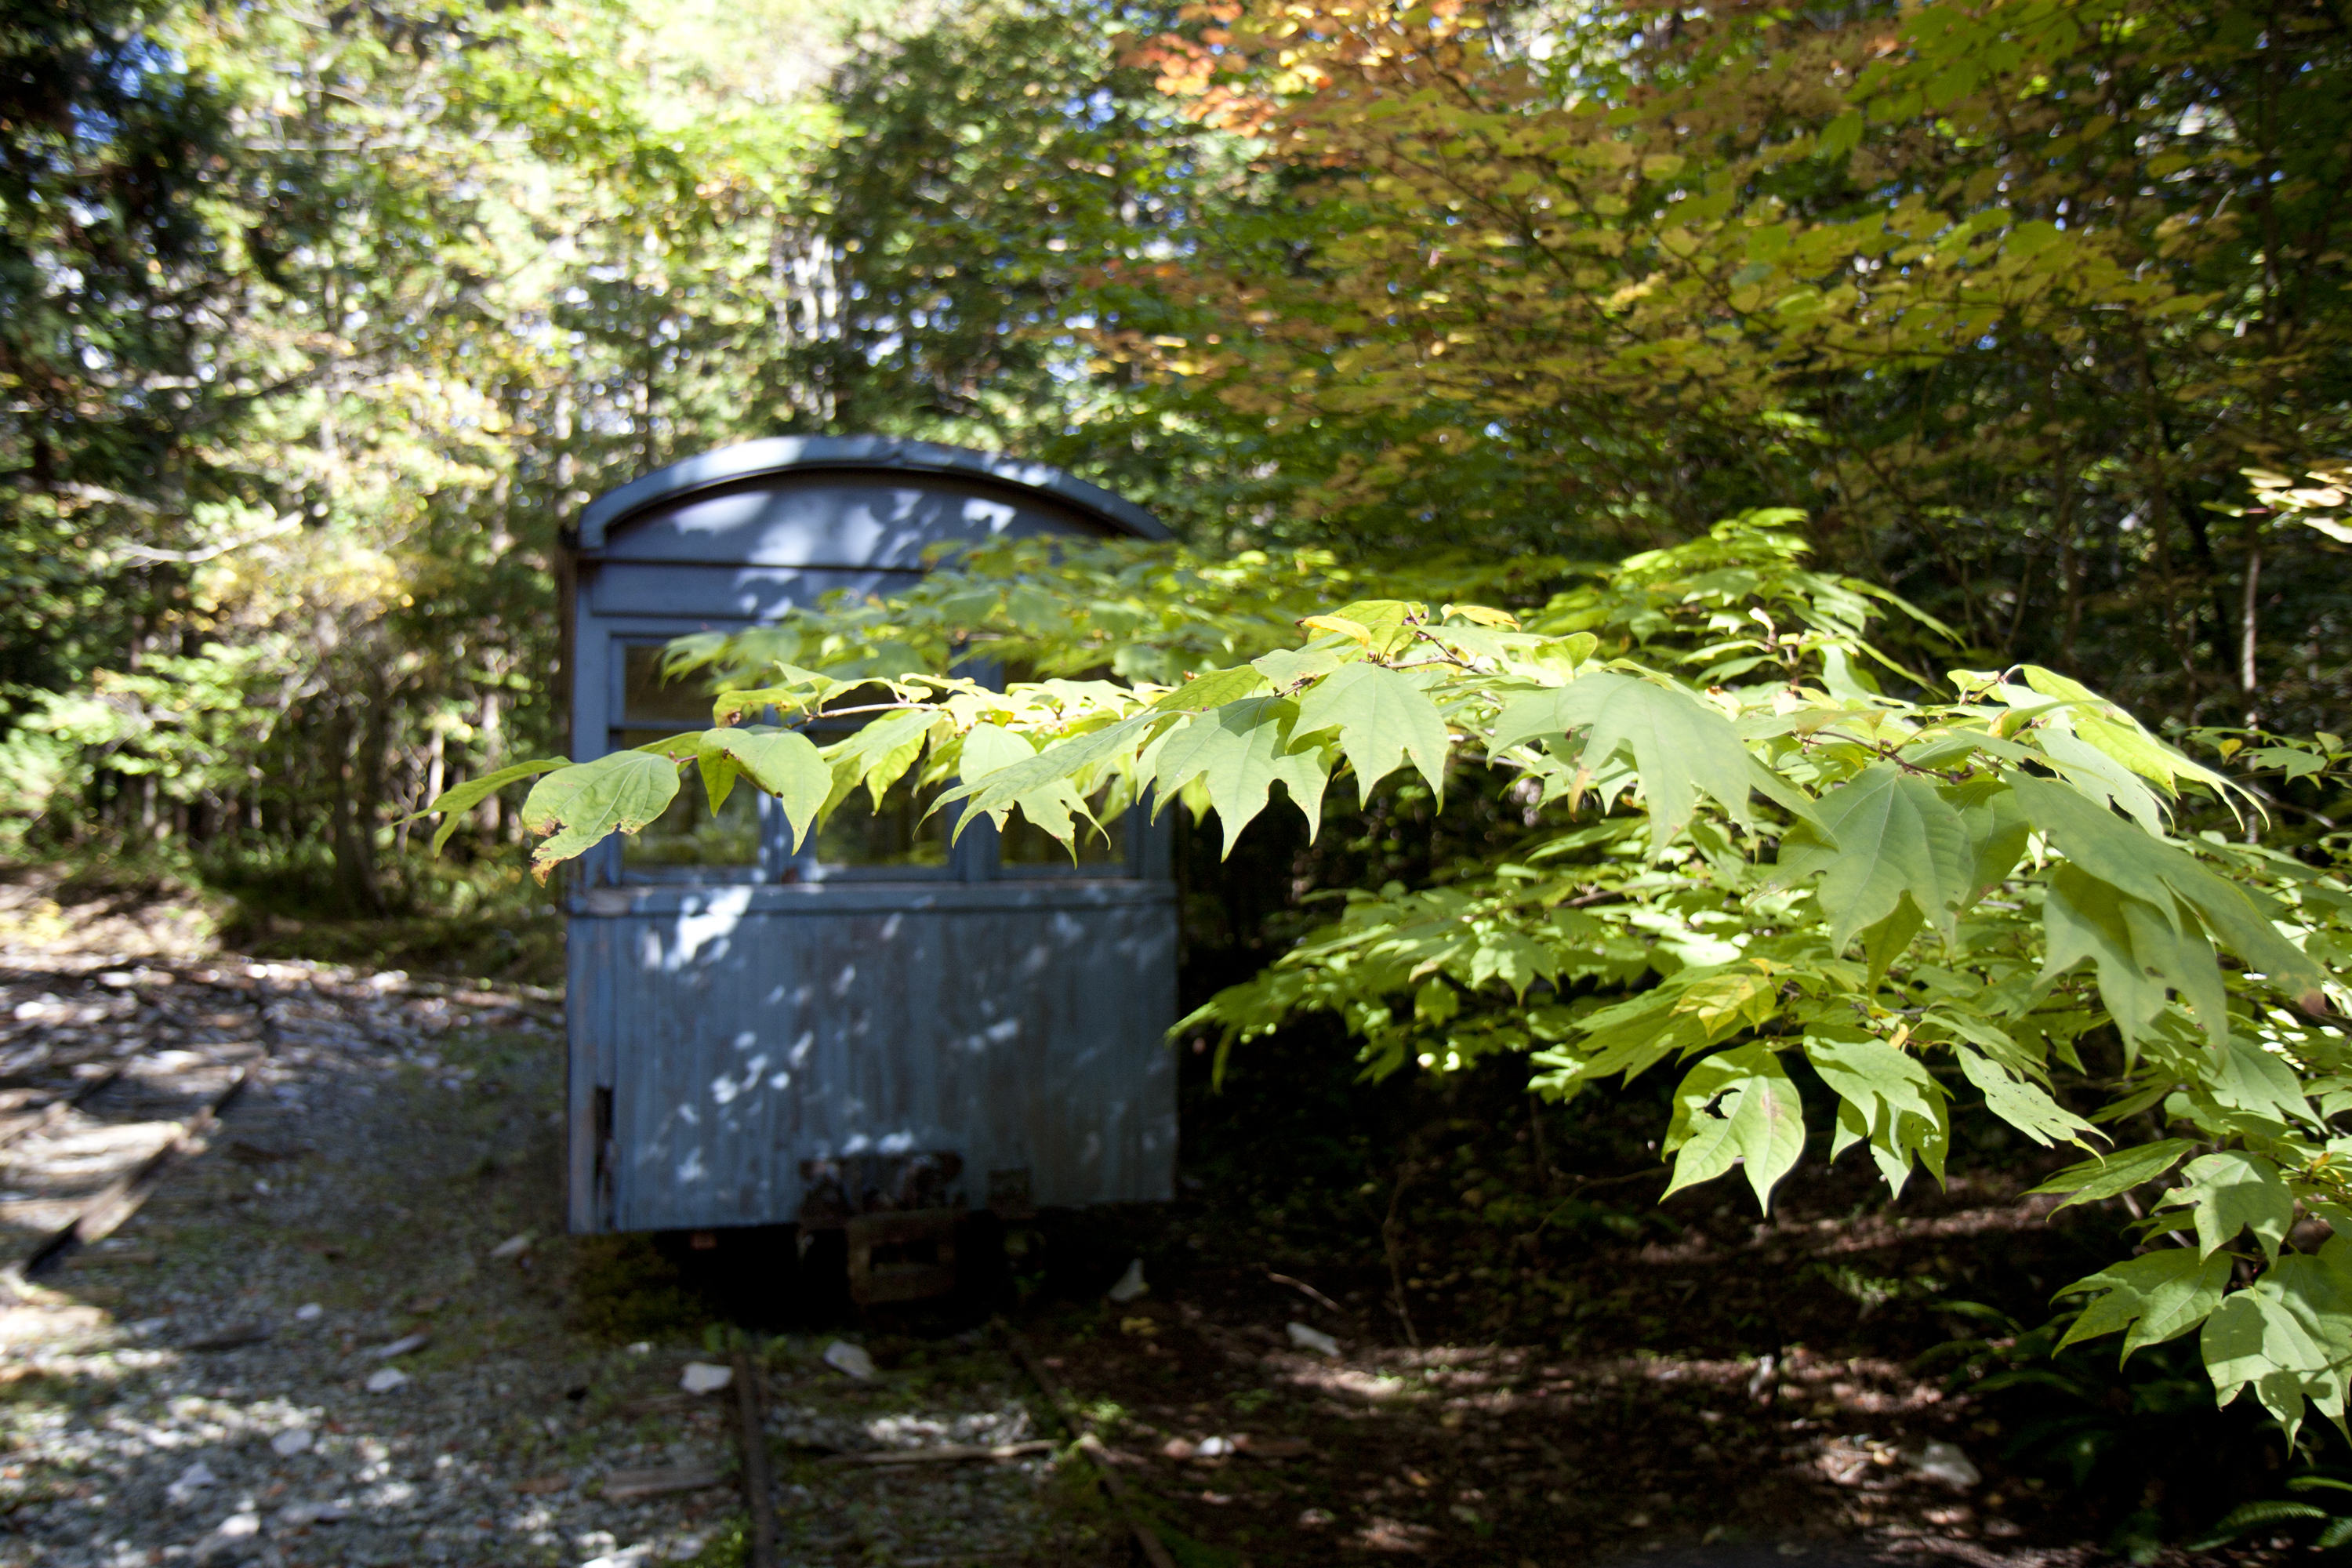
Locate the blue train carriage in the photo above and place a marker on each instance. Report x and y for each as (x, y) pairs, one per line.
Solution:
(884, 1030)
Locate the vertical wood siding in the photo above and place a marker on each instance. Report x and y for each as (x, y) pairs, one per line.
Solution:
(741, 1030)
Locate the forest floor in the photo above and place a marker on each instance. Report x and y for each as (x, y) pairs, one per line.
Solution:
(1566, 1382)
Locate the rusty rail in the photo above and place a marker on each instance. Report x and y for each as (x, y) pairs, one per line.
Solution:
(752, 1435)
(1155, 1552)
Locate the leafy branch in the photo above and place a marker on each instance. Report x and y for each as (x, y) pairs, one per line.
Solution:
(1727, 872)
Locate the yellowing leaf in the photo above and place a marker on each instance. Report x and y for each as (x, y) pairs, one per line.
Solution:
(1354, 631)
(581, 805)
(1386, 619)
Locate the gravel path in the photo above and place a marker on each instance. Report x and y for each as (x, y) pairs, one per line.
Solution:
(322, 1341)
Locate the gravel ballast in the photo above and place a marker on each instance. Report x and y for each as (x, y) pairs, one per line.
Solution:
(319, 1341)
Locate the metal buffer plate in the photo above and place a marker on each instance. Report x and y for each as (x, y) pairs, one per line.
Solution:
(902, 1256)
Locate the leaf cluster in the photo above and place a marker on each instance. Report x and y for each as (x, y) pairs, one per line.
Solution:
(1744, 853)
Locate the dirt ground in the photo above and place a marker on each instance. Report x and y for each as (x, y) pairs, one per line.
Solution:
(344, 1328)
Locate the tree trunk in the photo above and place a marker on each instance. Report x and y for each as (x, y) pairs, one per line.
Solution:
(2249, 629)
(355, 852)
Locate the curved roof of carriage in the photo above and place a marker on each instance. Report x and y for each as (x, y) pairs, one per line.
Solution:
(734, 467)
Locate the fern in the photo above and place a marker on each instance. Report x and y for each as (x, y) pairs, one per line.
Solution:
(2253, 1515)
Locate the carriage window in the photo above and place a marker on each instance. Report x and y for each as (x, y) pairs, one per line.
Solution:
(1024, 846)
(646, 697)
(896, 837)
(690, 835)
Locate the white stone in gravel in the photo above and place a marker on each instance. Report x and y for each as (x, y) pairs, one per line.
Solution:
(850, 1359)
(627, 1557)
(703, 1377)
(193, 1480)
(295, 1515)
(512, 1246)
(292, 1441)
(386, 1380)
(231, 1536)
(401, 1346)
(1946, 1464)
(308, 1312)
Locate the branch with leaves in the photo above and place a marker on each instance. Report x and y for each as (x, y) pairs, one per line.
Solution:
(1745, 852)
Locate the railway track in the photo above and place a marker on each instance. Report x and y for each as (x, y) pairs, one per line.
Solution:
(112, 1075)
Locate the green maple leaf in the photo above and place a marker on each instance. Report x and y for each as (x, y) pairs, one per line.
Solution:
(1893, 835)
(2318, 1292)
(1678, 746)
(1002, 777)
(2022, 1105)
(1239, 752)
(2253, 1337)
(2139, 948)
(1050, 801)
(2117, 1172)
(1886, 1099)
(1212, 689)
(2156, 1297)
(1739, 1106)
(783, 763)
(2153, 871)
(1996, 828)
(1383, 716)
(2234, 1190)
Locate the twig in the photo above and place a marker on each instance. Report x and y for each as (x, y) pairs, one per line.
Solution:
(1304, 1289)
(751, 1430)
(945, 1453)
(1581, 1188)
(1544, 1172)
(1113, 1484)
(1396, 1269)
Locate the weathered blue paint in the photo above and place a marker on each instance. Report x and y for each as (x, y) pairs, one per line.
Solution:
(729, 1022)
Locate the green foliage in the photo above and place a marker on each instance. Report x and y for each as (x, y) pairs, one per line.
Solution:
(2336, 1528)
(1902, 893)
(2000, 293)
